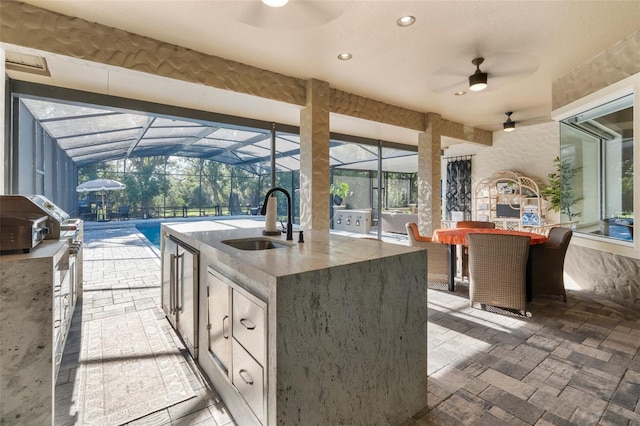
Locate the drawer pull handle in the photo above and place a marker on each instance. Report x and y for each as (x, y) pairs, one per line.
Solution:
(225, 327)
(246, 377)
(247, 324)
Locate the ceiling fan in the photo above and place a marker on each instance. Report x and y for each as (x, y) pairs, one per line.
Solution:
(510, 125)
(514, 119)
(492, 72)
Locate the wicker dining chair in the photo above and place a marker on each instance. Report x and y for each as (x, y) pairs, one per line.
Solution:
(465, 250)
(547, 263)
(437, 256)
(498, 270)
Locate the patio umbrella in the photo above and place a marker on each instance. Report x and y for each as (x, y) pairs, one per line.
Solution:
(100, 185)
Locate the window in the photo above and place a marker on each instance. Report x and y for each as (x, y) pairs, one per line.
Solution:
(596, 154)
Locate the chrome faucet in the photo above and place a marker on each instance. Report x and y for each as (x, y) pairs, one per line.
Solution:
(263, 211)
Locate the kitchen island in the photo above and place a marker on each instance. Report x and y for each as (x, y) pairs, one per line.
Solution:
(329, 331)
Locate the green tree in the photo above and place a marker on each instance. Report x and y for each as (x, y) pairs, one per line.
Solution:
(144, 180)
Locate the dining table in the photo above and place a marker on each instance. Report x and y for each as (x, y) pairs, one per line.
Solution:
(458, 237)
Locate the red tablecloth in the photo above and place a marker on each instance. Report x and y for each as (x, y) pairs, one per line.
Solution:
(458, 236)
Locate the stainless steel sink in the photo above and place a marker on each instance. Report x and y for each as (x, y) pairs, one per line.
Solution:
(254, 244)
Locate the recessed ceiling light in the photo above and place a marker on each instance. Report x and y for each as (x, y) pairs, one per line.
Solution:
(405, 21)
(460, 93)
(345, 56)
(275, 3)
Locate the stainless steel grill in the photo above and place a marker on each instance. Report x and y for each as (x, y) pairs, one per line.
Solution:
(27, 220)
(21, 233)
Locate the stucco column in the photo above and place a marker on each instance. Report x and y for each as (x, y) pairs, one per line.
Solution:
(314, 157)
(429, 199)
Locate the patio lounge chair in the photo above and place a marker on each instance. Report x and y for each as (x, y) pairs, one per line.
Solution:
(437, 256)
(547, 263)
(498, 270)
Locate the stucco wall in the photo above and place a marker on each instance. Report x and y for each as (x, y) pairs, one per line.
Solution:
(612, 275)
(614, 64)
(529, 150)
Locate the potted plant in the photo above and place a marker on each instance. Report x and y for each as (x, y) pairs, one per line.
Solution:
(339, 191)
(559, 192)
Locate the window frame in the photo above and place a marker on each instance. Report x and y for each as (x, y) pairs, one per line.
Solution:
(622, 88)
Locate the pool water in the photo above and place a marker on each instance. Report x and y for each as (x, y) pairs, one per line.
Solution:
(151, 231)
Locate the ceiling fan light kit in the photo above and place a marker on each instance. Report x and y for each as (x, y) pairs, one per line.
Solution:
(478, 80)
(509, 125)
(275, 3)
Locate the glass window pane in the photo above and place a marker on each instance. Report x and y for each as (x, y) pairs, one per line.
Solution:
(597, 160)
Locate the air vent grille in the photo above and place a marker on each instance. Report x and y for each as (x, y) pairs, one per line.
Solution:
(26, 63)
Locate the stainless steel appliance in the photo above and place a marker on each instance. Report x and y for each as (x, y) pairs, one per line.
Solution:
(21, 233)
(28, 205)
(43, 220)
(180, 290)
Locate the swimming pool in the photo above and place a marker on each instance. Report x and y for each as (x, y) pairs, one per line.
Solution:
(150, 230)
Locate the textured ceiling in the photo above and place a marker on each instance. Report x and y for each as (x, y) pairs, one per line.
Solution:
(526, 45)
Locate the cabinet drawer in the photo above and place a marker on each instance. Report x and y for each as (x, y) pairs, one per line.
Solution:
(249, 325)
(249, 380)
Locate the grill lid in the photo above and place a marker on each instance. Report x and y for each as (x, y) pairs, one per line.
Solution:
(27, 206)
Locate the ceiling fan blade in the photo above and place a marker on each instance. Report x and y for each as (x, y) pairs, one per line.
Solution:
(502, 68)
(495, 121)
(534, 120)
(451, 87)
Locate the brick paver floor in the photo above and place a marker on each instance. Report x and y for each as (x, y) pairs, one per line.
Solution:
(573, 363)
(122, 274)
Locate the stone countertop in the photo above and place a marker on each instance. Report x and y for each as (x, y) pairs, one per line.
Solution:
(47, 248)
(320, 250)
